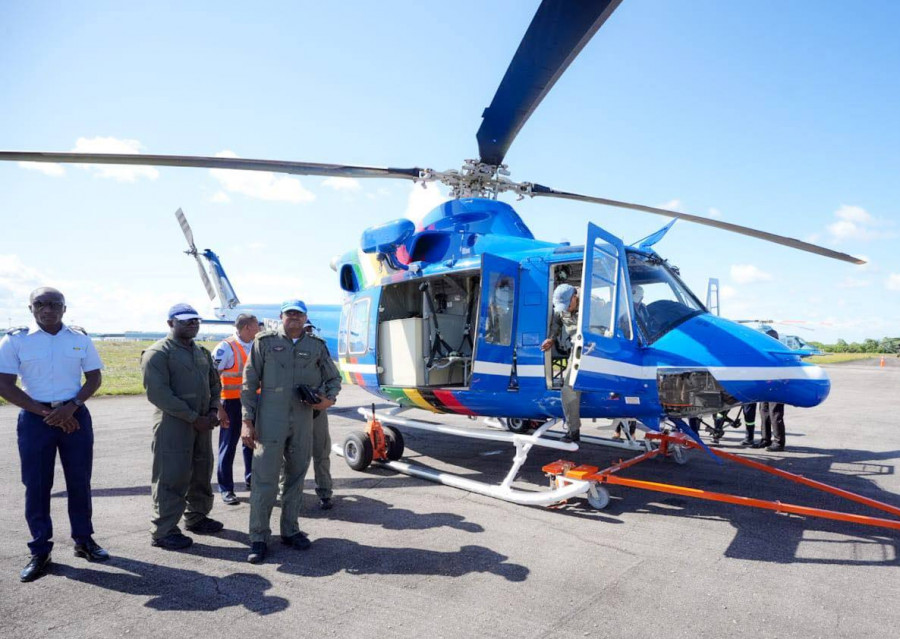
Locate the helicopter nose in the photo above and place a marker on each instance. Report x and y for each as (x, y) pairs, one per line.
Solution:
(749, 366)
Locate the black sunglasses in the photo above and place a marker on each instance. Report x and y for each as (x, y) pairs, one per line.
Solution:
(56, 306)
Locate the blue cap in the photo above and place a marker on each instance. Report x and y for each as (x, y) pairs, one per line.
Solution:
(293, 305)
(183, 312)
(562, 295)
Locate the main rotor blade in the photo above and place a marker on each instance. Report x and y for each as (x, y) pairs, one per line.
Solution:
(207, 162)
(537, 189)
(556, 35)
(186, 229)
(203, 276)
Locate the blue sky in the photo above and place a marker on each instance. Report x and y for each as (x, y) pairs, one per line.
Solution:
(783, 116)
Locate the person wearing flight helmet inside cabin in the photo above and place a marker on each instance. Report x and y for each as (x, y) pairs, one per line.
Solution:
(563, 326)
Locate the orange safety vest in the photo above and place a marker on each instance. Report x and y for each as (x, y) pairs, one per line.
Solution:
(233, 378)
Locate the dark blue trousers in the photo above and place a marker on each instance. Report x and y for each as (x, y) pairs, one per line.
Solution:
(38, 444)
(228, 441)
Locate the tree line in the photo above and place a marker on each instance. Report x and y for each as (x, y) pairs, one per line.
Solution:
(885, 345)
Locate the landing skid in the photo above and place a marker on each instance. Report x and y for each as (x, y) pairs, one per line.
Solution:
(569, 480)
(562, 488)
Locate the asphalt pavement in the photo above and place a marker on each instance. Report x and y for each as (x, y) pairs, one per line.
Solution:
(400, 557)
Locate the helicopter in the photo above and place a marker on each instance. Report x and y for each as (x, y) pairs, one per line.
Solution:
(448, 313)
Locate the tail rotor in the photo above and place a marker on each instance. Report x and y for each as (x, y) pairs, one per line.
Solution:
(189, 236)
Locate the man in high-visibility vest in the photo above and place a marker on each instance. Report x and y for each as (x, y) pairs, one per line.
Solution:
(230, 357)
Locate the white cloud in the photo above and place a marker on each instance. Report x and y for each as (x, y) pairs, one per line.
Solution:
(852, 282)
(727, 292)
(342, 184)
(261, 185)
(892, 283)
(748, 273)
(855, 223)
(47, 168)
(671, 205)
(114, 145)
(220, 197)
(421, 201)
(256, 246)
(715, 213)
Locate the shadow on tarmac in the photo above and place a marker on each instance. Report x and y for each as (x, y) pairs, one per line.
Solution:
(177, 588)
(332, 556)
(760, 535)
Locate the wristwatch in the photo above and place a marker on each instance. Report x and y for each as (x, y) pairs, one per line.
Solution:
(77, 402)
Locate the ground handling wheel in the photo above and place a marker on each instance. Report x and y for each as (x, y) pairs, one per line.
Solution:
(358, 450)
(598, 497)
(394, 441)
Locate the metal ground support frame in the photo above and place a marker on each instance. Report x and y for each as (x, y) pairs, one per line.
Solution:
(566, 488)
(667, 441)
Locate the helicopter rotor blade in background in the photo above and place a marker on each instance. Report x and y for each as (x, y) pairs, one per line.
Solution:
(556, 35)
(186, 229)
(208, 162)
(203, 276)
(189, 236)
(544, 191)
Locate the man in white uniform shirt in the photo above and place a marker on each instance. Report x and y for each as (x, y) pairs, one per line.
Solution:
(50, 358)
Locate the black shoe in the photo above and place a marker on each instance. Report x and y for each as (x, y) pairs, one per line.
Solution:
(325, 503)
(206, 526)
(762, 443)
(568, 438)
(247, 484)
(91, 551)
(775, 448)
(230, 498)
(746, 442)
(257, 552)
(173, 541)
(35, 568)
(297, 541)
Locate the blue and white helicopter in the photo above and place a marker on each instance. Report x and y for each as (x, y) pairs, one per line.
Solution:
(448, 314)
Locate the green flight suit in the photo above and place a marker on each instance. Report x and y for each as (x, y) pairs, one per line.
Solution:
(563, 327)
(321, 455)
(284, 424)
(183, 384)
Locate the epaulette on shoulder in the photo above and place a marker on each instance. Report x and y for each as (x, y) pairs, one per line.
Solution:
(264, 334)
(18, 330)
(76, 329)
(316, 337)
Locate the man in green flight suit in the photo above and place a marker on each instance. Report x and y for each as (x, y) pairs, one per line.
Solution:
(183, 383)
(278, 424)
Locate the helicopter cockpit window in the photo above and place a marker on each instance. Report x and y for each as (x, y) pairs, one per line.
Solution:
(603, 286)
(358, 338)
(661, 300)
(500, 313)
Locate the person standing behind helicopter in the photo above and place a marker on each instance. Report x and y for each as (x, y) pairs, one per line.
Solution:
(563, 326)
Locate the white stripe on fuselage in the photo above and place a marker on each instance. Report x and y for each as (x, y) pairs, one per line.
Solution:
(364, 369)
(721, 373)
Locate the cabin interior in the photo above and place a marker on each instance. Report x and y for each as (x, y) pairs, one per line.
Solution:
(426, 331)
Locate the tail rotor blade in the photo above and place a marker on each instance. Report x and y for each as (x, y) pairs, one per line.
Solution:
(203, 276)
(186, 229)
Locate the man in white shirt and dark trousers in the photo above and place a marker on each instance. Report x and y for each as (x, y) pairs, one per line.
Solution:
(230, 357)
(50, 358)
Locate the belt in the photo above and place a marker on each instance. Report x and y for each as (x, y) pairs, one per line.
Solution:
(55, 404)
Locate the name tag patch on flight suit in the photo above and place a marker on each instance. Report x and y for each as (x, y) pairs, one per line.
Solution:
(302, 354)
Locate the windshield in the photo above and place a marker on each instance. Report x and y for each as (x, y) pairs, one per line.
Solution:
(661, 300)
